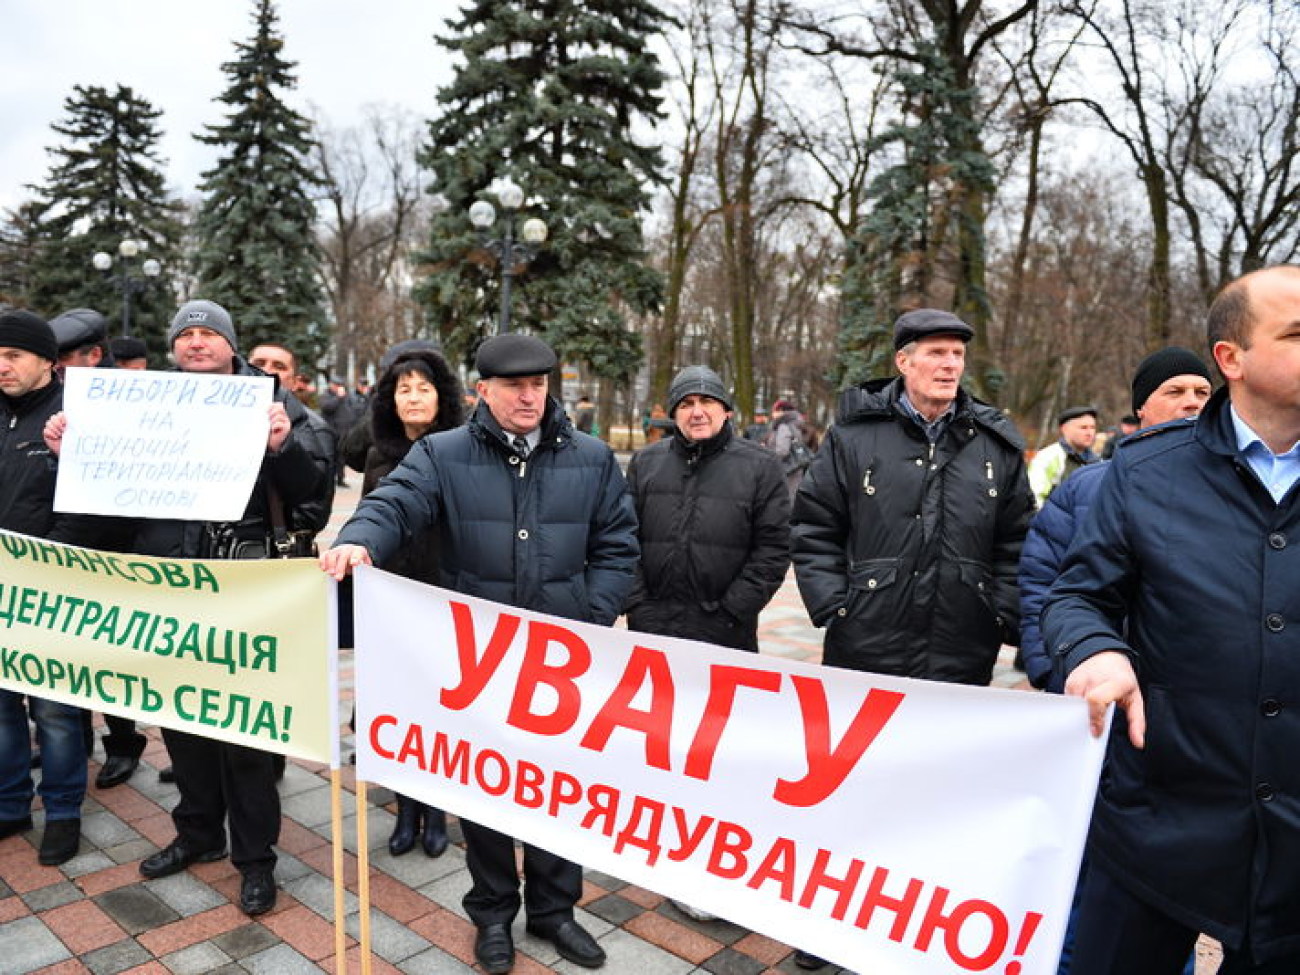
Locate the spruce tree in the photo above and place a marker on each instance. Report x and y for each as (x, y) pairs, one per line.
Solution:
(546, 94)
(919, 216)
(105, 185)
(256, 252)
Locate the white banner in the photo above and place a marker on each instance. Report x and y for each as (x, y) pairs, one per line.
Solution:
(161, 444)
(892, 826)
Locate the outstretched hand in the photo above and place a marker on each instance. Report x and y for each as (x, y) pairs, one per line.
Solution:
(1105, 679)
(340, 560)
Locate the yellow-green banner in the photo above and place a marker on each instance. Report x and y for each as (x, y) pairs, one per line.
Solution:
(234, 650)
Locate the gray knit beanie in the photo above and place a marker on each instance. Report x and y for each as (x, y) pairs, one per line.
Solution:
(699, 381)
(203, 314)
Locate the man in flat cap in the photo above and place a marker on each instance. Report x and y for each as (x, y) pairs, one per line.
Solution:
(522, 504)
(82, 334)
(1076, 433)
(908, 524)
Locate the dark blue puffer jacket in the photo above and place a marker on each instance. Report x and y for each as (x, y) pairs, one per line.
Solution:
(1050, 534)
(555, 533)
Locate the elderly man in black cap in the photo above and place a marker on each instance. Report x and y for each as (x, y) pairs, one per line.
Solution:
(30, 393)
(908, 524)
(523, 505)
(82, 334)
(1072, 449)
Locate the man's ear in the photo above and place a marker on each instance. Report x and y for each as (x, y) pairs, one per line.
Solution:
(1227, 356)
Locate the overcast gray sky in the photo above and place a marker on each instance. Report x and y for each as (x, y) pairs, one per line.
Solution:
(349, 54)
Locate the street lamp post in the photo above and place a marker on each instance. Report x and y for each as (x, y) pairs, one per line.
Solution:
(128, 250)
(508, 250)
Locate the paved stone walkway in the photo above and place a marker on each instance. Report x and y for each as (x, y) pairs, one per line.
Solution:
(97, 914)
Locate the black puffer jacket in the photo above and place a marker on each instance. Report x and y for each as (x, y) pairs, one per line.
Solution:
(389, 444)
(907, 552)
(27, 467)
(554, 533)
(298, 472)
(715, 538)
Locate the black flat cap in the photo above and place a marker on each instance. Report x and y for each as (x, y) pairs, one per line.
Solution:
(514, 354)
(78, 327)
(924, 322)
(1074, 412)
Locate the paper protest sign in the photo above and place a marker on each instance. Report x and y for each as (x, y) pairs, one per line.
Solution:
(161, 444)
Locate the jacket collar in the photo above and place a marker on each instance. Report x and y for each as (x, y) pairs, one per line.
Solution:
(555, 426)
(1214, 430)
(877, 400)
(694, 451)
(21, 405)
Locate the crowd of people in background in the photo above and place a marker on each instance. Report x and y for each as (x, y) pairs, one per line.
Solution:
(1157, 576)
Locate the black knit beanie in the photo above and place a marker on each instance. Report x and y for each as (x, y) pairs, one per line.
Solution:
(1159, 367)
(20, 329)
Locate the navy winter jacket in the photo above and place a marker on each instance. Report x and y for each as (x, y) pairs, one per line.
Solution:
(1188, 565)
(1050, 534)
(554, 533)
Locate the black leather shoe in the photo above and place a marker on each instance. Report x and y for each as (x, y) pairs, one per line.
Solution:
(168, 774)
(61, 842)
(175, 857)
(12, 827)
(572, 941)
(808, 961)
(408, 824)
(494, 948)
(116, 770)
(257, 892)
(434, 837)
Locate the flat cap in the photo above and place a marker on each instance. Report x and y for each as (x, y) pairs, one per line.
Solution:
(78, 327)
(127, 347)
(1074, 412)
(924, 322)
(514, 354)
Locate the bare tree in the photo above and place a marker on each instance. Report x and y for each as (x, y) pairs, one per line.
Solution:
(1234, 175)
(1159, 102)
(688, 216)
(373, 212)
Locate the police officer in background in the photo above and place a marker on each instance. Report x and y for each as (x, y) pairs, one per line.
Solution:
(522, 504)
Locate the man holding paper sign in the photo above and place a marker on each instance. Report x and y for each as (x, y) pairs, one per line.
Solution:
(531, 513)
(219, 780)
